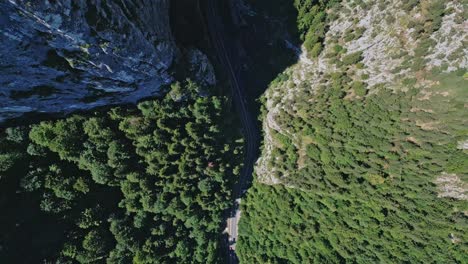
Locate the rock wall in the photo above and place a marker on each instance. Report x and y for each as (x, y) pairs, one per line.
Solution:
(61, 56)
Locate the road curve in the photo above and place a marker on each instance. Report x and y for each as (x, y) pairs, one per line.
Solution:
(222, 47)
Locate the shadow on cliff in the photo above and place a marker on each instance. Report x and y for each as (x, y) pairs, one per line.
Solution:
(267, 31)
(263, 33)
(261, 40)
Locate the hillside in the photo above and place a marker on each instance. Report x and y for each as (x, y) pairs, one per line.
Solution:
(364, 154)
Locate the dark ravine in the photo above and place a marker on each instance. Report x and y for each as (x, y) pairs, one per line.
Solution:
(64, 56)
(222, 47)
(239, 49)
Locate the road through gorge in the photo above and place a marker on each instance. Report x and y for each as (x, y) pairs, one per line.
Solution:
(226, 52)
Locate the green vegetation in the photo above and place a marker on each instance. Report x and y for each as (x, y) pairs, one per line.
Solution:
(359, 88)
(360, 168)
(128, 185)
(364, 190)
(432, 12)
(352, 58)
(358, 161)
(311, 23)
(353, 33)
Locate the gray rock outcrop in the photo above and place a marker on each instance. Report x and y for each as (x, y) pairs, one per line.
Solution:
(61, 56)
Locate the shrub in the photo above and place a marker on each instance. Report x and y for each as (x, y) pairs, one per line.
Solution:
(316, 50)
(424, 47)
(418, 64)
(359, 88)
(410, 5)
(352, 58)
(349, 35)
(409, 81)
(434, 12)
(359, 32)
(338, 49)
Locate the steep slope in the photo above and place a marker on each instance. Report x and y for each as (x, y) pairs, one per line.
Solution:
(364, 156)
(61, 56)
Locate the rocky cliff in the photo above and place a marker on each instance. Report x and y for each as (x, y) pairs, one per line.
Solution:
(61, 56)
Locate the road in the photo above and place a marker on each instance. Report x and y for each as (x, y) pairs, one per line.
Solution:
(224, 49)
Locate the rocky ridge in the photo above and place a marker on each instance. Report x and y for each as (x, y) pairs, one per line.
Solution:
(62, 56)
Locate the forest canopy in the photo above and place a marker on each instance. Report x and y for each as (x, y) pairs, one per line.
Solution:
(139, 184)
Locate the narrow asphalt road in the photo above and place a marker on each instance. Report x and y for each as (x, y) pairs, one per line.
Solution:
(225, 49)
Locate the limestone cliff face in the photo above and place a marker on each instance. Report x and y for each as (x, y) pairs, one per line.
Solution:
(60, 56)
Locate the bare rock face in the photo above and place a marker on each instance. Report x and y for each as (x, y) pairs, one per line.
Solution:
(61, 56)
(451, 186)
(202, 67)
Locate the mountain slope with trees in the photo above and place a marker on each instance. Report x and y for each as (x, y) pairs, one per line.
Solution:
(364, 157)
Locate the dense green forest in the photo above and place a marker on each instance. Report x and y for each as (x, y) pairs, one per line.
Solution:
(354, 172)
(311, 23)
(363, 190)
(146, 184)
